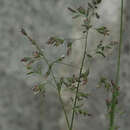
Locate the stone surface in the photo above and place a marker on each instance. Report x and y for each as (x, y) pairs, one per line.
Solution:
(20, 109)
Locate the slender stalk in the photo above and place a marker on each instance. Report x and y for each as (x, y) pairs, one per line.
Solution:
(59, 95)
(120, 45)
(61, 101)
(115, 93)
(78, 85)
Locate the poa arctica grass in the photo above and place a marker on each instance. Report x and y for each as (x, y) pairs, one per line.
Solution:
(74, 82)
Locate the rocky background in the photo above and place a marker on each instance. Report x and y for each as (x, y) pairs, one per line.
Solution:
(20, 109)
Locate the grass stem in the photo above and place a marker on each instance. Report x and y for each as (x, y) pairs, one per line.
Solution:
(78, 85)
(115, 93)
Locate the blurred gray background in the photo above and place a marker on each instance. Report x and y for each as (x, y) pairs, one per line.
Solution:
(20, 109)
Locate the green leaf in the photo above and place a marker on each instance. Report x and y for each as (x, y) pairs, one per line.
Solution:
(103, 30)
(88, 55)
(81, 10)
(107, 86)
(90, 5)
(83, 112)
(87, 73)
(103, 80)
(49, 70)
(97, 15)
(99, 45)
(23, 31)
(58, 42)
(61, 58)
(101, 53)
(96, 2)
(55, 41)
(72, 10)
(29, 73)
